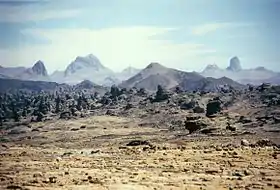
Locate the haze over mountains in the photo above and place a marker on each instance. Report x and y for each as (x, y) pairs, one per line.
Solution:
(235, 71)
(82, 68)
(90, 68)
(156, 74)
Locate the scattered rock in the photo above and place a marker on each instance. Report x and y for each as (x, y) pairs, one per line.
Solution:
(83, 127)
(75, 129)
(52, 179)
(58, 159)
(193, 126)
(244, 120)
(212, 172)
(213, 107)
(230, 127)
(208, 130)
(244, 142)
(95, 151)
(16, 187)
(37, 175)
(198, 109)
(138, 143)
(187, 105)
(192, 118)
(111, 113)
(237, 174)
(65, 115)
(264, 143)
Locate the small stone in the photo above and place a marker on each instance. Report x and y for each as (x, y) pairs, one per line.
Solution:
(237, 174)
(244, 142)
(95, 151)
(52, 179)
(37, 175)
(246, 173)
(58, 159)
(274, 155)
(235, 153)
(83, 127)
(74, 129)
(231, 128)
(219, 149)
(138, 143)
(264, 143)
(14, 187)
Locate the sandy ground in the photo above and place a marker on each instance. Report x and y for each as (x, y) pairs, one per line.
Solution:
(91, 153)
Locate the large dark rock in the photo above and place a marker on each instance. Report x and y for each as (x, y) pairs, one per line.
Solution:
(161, 94)
(138, 143)
(194, 125)
(188, 105)
(40, 117)
(213, 107)
(198, 109)
(65, 115)
(264, 86)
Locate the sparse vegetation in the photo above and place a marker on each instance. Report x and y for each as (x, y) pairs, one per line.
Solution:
(153, 129)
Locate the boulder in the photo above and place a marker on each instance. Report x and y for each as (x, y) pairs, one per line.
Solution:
(193, 126)
(188, 105)
(244, 142)
(111, 113)
(138, 143)
(65, 115)
(244, 120)
(213, 107)
(199, 109)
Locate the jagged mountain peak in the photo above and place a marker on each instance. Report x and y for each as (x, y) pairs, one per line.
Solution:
(39, 68)
(154, 65)
(211, 67)
(84, 62)
(154, 68)
(90, 58)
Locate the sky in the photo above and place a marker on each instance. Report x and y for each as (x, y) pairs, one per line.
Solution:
(182, 34)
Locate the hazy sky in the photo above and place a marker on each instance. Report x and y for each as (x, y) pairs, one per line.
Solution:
(184, 34)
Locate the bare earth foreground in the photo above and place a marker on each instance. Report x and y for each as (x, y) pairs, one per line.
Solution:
(92, 153)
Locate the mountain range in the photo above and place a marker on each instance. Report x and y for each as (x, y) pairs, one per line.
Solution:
(156, 74)
(235, 71)
(90, 68)
(82, 68)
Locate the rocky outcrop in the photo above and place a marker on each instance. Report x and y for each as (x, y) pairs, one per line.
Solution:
(234, 65)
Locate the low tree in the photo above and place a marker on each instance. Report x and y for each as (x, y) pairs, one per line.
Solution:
(115, 92)
(57, 104)
(161, 94)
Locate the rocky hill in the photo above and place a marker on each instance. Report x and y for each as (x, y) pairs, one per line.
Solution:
(156, 74)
